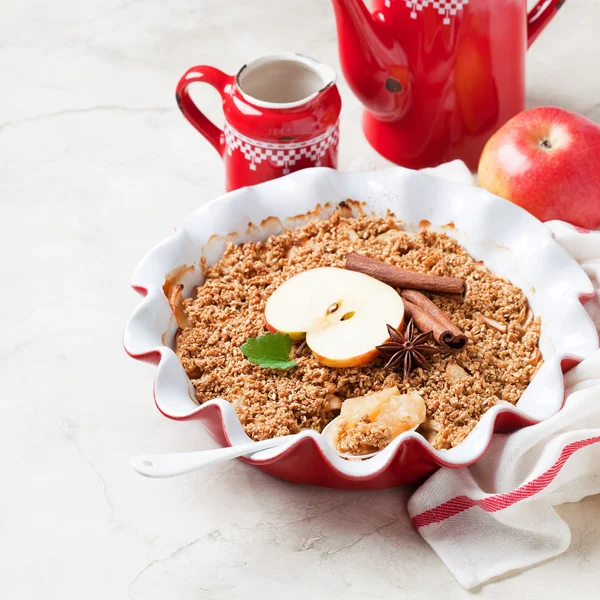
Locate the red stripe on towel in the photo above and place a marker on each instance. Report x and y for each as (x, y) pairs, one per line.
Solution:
(500, 501)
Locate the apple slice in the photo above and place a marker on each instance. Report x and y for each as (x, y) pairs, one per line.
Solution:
(343, 314)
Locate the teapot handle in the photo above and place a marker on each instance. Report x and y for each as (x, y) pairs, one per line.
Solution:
(218, 80)
(539, 16)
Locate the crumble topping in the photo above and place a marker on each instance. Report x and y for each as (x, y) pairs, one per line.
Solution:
(497, 365)
(365, 437)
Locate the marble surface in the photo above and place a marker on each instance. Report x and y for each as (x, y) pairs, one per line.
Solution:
(96, 166)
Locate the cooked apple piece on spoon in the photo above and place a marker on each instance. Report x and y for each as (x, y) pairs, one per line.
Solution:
(342, 314)
(369, 423)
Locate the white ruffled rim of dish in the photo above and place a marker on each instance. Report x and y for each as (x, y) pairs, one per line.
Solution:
(510, 242)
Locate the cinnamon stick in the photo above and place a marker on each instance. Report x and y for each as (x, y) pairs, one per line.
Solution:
(429, 317)
(401, 278)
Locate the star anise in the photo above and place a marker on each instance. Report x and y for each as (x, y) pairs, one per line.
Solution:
(407, 350)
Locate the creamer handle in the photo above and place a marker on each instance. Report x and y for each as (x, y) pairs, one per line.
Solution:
(218, 80)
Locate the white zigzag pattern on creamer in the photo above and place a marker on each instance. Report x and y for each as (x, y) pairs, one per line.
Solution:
(445, 8)
(284, 155)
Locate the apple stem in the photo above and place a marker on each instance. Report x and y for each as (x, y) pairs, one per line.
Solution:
(545, 144)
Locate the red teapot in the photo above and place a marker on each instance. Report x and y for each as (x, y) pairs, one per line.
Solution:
(437, 77)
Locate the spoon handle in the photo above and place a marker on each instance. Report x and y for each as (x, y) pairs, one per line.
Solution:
(168, 465)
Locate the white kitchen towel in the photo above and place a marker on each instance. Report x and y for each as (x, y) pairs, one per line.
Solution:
(455, 170)
(497, 516)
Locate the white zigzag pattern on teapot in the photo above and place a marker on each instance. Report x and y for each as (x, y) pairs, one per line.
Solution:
(282, 155)
(446, 8)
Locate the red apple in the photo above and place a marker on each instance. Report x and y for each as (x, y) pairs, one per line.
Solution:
(546, 160)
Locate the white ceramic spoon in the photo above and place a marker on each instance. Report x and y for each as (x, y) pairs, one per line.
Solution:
(169, 465)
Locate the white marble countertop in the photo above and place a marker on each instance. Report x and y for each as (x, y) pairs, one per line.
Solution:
(96, 166)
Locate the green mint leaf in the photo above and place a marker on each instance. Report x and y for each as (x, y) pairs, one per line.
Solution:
(269, 351)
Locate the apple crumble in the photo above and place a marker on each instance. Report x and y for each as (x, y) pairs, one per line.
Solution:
(497, 363)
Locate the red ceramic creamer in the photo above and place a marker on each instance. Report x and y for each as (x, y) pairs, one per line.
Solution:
(281, 115)
(437, 77)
